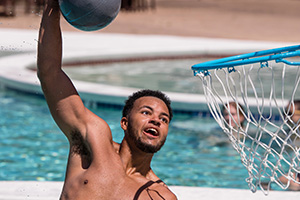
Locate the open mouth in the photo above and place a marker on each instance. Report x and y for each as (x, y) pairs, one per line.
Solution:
(152, 132)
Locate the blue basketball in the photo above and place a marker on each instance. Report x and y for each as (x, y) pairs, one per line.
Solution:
(90, 15)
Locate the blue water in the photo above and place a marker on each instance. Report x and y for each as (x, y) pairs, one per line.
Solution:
(176, 76)
(172, 75)
(33, 148)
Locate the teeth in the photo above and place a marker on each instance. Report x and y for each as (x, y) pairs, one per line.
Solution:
(152, 130)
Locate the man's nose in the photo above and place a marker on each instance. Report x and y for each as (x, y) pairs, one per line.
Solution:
(155, 120)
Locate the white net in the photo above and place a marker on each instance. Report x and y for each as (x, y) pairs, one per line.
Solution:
(257, 107)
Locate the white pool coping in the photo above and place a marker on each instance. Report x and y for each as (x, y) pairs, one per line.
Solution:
(34, 190)
(14, 73)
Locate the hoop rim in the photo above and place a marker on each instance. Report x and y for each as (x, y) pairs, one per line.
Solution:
(277, 54)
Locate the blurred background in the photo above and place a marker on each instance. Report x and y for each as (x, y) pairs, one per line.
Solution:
(269, 20)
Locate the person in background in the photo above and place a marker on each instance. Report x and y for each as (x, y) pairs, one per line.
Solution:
(234, 117)
(293, 120)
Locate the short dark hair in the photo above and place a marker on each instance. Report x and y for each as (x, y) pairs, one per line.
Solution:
(297, 104)
(142, 93)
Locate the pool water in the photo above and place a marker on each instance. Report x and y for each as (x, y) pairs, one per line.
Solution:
(33, 148)
(175, 75)
(172, 75)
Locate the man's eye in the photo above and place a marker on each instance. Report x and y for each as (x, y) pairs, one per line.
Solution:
(145, 112)
(164, 120)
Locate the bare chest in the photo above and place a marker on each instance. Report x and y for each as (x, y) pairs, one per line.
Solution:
(111, 188)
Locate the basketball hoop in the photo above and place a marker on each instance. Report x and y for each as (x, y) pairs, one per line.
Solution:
(261, 87)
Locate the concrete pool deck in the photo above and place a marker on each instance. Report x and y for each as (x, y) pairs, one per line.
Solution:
(89, 46)
(32, 190)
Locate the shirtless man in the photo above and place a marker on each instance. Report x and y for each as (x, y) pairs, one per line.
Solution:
(99, 168)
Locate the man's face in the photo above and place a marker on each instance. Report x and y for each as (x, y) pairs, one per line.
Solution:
(148, 124)
(295, 114)
(236, 119)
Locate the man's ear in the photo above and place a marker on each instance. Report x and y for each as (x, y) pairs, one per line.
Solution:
(124, 123)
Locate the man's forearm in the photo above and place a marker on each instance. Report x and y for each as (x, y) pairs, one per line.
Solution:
(50, 42)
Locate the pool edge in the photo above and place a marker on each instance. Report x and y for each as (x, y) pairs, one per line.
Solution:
(40, 190)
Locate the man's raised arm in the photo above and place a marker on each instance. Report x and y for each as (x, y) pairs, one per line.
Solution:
(63, 100)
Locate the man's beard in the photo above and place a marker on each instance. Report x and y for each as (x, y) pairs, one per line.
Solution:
(145, 147)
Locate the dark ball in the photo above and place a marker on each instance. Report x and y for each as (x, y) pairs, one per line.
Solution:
(90, 15)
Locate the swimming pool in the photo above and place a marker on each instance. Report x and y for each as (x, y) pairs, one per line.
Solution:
(33, 148)
(175, 75)
(195, 154)
(172, 75)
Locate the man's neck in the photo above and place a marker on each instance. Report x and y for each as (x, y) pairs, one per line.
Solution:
(134, 160)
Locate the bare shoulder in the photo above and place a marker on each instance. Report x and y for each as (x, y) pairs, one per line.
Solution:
(98, 135)
(94, 127)
(94, 139)
(154, 190)
(161, 192)
(167, 193)
(171, 196)
(160, 187)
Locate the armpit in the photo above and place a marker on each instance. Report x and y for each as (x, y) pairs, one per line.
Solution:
(79, 145)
